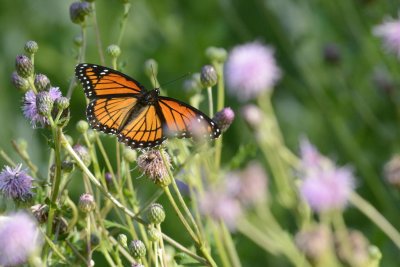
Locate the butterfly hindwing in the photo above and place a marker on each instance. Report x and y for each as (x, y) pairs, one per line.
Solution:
(99, 81)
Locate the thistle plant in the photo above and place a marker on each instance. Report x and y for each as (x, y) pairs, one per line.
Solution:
(184, 202)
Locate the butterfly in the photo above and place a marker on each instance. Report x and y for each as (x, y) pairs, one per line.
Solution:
(140, 118)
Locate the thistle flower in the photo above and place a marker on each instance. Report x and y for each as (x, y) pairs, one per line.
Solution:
(314, 242)
(208, 76)
(221, 205)
(83, 154)
(30, 109)
(86, 203)
(19, 82)
(389, 32)
(151, 163)
(31, 47)
(325, 186)
(156, 213)
(252, 115)
(392, 171)
(251, 70)
(137, 249)
(19, 238)
(113, 50)
(24, 66)
(15, 183)
(41, 82)
(224, 118)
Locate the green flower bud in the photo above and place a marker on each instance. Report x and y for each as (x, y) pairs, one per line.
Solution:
(24, 66)
(216, 54)
(137, 249)
(31, 47)
(86, 203)
(154, 234)
(78, 11)
(44, 103)
(62, 103)
(156, 213)
(41, 82)
(83, 154)
(82, 126)
(123, 240)
(151, 68)
(19, 82)
(91, 135)
(113, 50)
(130, 155)
(78, 41)
(208, 76)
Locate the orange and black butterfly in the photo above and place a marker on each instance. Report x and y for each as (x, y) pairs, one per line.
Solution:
(140, 118)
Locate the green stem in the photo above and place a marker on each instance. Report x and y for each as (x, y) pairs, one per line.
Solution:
(210, 102)
(97, 31)
(230, 246)
(4, 155)
(220, 246)
(88, 245)
(220, 105)
(127, 7)
(376, 218)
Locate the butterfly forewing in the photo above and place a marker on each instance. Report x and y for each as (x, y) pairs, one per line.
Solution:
(99, 81)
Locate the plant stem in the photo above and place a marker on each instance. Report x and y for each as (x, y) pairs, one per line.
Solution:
(210, 102)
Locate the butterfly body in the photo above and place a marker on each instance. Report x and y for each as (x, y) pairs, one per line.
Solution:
(140, 118)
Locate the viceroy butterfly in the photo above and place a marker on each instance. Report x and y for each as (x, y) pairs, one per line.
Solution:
(140, 118)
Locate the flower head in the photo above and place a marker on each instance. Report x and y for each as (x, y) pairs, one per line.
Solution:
(30, 106)
(208, 76)
(137, 249)
(19, 238)
(253, 115)
(86, 203)
(325, 186)
(253, 184)
(251, 69)
(389, 31)
(151, 163)
(15, 183)
(224, 118)
(24, 66)
(83, 154)
(19, 82)
(314, 242)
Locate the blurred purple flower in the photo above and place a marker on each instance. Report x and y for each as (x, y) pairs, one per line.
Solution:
(15, 183)
(224, 118)
(19, 238)
(253, 115)
(254, 182)
(389, 31)
(325, 186)
(251, 69)
(220, 205)
(30, 107)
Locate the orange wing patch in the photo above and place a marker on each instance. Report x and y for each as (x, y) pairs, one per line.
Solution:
(144, 130)
(109, 114)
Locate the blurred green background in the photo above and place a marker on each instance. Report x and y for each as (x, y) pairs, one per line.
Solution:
(339, 87)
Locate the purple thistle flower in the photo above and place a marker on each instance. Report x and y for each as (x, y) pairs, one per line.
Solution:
(224, 118)
(19, 238)
(389, 31)
(15, 183)
(253, 184)
(251, 70)
(325, 186)
(30, 109)
(221, 205)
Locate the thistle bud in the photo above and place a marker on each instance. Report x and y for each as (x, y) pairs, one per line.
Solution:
(78, 11)
(224, 118)
(122, 240)
(41, 82)
(113, 50)
(24, 66)
(151, 163)
(19, 82)
(130, 155)
(62, 103)
(94, 240)
(86, 203)
(151, 67)
(216, 54)
(154, 234)
(156, 213)
(83, 154)
(31, 47)
(82, 126)
(208, 76)
(44, 103)
(137, 249)
(314, 243)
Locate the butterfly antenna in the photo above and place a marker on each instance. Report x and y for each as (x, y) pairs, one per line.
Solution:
(177, 79)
